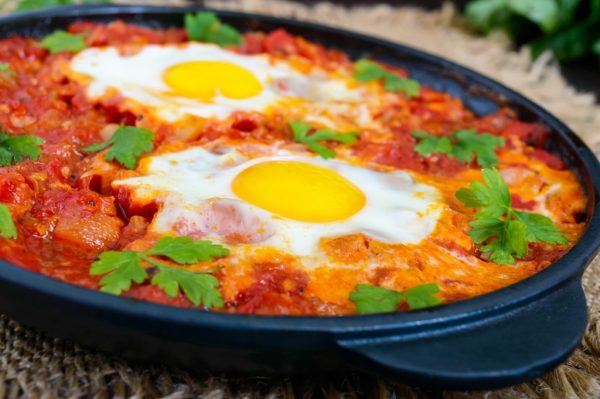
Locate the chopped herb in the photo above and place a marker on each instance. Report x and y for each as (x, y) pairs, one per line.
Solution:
(370, 299)
(206, 27)
(126, 144)
(62, 41)
(464, 145)
(7, 226)
(504, 231)
(367, 71)
(127, 267)
(301, 130)
(26, 5)
(14, 149)
(5, 69)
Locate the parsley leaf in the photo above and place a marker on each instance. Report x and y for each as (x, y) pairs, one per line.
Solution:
(62, 41)
(206, 27)
(421, 296)
(25, 5)
(301, 130)
(462, 145)
(370, 299)
(14, 149)
(186, 250)
(127, 267)
(7, 226)
(199, 288)
(123, 268)
(126, 144)
(505, 231)
(367, 71)
(5, 68)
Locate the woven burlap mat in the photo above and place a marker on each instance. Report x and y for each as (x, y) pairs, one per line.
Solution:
(35, 365)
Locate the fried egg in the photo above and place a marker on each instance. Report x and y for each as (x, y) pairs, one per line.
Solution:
(205, 80)
(283, 200)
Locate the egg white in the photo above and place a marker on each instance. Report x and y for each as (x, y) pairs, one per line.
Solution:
(139, 78)
(397, 210)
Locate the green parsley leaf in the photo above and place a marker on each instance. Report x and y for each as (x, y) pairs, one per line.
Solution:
(127, 267)
(462, 145)
(62, 41)
(505, 231)
(367, 71)
(123, 267)
(421, 296)
(370, 299)
(206, 27)
(429, 144)
(199, 288)
(5, 68)
(301, 130)
(26, 5)
(126, 144)
(14, 149)
(186, 250)
(540, 228)
(7, 226)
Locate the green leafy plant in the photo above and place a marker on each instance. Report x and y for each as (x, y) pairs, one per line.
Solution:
(504, 231)
(367, 71)
(123, 268)
(370, 299)
(126, 144)
(301, 130)
(206, 27)
(27, 5)
(7, 226)
(60, 40)
(463, 145)
(570, 28)
(14, 149)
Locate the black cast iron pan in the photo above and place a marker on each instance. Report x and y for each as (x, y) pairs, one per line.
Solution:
(495, 340)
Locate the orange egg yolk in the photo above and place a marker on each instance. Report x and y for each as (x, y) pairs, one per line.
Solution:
(299, 191)
(206, 79)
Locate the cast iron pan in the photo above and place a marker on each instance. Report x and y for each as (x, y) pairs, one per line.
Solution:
(495, 340)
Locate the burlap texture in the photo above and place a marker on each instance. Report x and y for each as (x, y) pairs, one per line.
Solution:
(34, 365)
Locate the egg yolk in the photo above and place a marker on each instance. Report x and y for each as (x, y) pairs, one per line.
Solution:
(299, 191)
(205, 79)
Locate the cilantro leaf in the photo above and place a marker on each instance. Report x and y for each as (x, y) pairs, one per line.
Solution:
(462, 145)
(7, 226)
(5, 68)
(186, 250)
(199, 288)
(62, 41)
(25, 5)
(540, 228)
(367, 71)
(504, 231)
(126, 144)
(14, 149)
(432, 144)
(301, 129)
(206, 27)
(468, 143)
(127, 267)
(370, 299)
(124, 269)
(421, 296)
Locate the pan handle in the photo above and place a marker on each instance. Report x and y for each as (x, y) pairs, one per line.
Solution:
(505, 350)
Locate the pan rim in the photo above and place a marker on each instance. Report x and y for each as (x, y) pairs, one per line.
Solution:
(534, 288)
